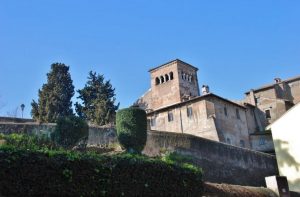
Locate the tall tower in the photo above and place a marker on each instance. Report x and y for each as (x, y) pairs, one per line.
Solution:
(173, 82)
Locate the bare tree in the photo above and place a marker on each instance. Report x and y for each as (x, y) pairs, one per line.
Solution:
(1, 103)
(14, 113)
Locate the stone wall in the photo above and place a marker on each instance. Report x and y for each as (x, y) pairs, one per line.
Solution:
(18, 120)
(221, 163)
(262, 142)
(102, 137)
(99, 136)
(27, 127)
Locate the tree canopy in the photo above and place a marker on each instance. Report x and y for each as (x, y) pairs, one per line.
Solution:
(98, 100)
(55, 96)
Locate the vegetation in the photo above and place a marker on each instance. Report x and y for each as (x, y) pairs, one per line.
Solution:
(28, 142)
(131, 124)
(69, 131)
(98, 100)
(48, 172)
(55, 96)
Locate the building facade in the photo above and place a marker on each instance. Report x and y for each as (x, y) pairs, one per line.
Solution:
(174, 103)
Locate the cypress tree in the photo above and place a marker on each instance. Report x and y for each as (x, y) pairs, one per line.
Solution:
(55, 96)
(98, 100)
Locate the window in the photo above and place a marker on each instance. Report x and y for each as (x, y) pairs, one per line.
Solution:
(242, 143)
(262, 141)
(268, 114)
(225, 111)
(170, 117)
(157, 81)
(228, 141)
(237, 113)
(171, 76)
(189, 111)
(167, 77)
(153, 121)
(162, 80)
(257, 100)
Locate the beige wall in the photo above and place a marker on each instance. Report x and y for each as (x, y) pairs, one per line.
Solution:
(231, 129)
(286, 136)
(295, 90)
(170, 91)
(188, 87)
(166, 93)
(268, 100)
(199, 124)
(277, 98)
(208, 121)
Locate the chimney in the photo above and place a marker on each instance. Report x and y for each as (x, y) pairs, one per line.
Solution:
(277, 80)
(205, 89)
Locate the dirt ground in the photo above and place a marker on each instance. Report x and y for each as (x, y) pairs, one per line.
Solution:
(224, 190)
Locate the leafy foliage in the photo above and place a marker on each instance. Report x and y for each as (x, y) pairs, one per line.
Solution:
(69, 130)
(30, 142)
(55, 96)
(74, 174)
(131, 124)
(98, 100)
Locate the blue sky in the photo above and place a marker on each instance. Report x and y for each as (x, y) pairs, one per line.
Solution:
(237, 45)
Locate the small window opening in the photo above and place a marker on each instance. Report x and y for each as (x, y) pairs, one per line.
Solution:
(153, 121)
(162, 80)
(228, 141)
(242, 143)
(225, 111)
(268, 114)
(189, 112)
(157, 81)
(170, 117)
(171, 76)
(257, 100)
(167, 77)
(262, 141)
(237, 113)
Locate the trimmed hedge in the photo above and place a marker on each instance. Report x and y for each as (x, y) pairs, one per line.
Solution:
(131, 125)
(36, 173)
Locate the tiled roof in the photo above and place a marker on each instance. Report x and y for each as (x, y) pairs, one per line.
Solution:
(176, 60)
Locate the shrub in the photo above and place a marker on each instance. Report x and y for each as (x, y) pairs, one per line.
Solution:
(25, 141)
(131, 124)
(69, 130)
(65, 173)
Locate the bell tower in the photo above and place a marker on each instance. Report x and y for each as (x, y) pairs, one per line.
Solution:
(172, 83)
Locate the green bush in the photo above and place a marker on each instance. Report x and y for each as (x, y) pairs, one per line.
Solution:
(66, 173)
(69, 131)
(25, 141)
(131, 124)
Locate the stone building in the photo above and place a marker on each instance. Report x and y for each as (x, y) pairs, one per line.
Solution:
(174, 104)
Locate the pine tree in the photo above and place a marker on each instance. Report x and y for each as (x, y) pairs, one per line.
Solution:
(98, 100)
(55, 96)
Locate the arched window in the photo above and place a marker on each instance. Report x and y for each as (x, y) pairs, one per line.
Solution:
(171, 76)
(183, 76)
(162, 80)
(228, 141)
(167, 77)
(157, 81)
